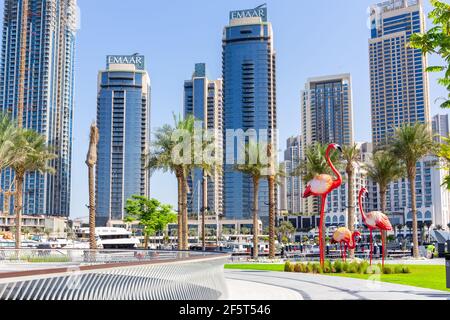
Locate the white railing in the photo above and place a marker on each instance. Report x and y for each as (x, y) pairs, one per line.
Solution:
(111, 275)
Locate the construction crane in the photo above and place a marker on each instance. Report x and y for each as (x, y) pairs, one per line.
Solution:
(22, 68)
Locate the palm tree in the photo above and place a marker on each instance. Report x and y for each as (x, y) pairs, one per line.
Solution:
(256, 171)
(286, 229)
(7, 131)
(351, 156)
(384, 169)
(162, 157)
(274, 173)
(410, 144)
(211, 165)
(30, 153)
(91, 161)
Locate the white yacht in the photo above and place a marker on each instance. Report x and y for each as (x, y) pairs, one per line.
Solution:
(110, 238)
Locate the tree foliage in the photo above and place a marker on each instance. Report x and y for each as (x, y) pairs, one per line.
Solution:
(151, 214)
(437, 41)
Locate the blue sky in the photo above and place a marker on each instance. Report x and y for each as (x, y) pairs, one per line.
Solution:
(312, 38)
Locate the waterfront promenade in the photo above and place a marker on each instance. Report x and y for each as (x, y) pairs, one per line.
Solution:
(266, 285)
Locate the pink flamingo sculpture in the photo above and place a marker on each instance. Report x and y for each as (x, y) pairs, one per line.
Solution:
(346, 239)
(321, 186)
(374, 220)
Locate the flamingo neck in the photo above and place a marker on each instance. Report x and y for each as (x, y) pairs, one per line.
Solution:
(338, 180)
(361, 209)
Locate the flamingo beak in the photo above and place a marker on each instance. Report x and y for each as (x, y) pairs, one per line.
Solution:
(339, 148)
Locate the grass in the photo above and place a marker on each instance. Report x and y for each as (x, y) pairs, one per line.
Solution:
(423, 276)
(42, 259)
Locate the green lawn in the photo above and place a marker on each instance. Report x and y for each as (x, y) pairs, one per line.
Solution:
(424, 276)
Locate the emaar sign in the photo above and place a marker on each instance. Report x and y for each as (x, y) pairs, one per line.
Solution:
(138, 61)
(260, 12)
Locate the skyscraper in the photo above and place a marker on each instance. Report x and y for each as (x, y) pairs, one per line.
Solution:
(440, 126)
(203, 100)
(123, 120)
(326, 117)
(398, 81)
(249, 101)
(327, 111)
(293, 184)
(37, 73)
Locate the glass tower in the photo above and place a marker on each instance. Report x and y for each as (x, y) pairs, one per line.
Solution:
(203, 100)
(48, 101)
(249, 101)
(123, 120)
(398, 81)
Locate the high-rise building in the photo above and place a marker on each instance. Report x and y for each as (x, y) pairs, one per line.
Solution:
(249, 102)
(327, 112)
(326, 117)
(292, 187)
(37, 76)
(440, 127)
(398, 80)
(203, 100)
(123, 120)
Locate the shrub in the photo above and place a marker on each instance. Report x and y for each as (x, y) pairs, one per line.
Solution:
(287, 266)
(352, 268)
(364, 265)
(387, 270)
(406, 270)
(345, 266)
(319, 269)
(298, 267)
(309, 268)
(314, 267)
(327, 267)
(398, 269)
(338, 266)
(292, 267)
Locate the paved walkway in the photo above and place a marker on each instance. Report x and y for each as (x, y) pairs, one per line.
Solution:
(246, 285)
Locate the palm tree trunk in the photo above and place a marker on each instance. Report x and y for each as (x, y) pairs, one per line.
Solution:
(18, 208)
(383, 190)
(146, 238)
(255, 217)
(180, 213)
(185, 217)
(412, 182)
(205, 205)
(92, 241)
(351, 207)
(271, 217)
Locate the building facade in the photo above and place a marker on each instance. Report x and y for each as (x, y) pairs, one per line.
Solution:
(123, 120)
(327, 111)
(398, 80)
(249, 85)
(203, 100)
(440, 127)
(290, 189)
(326, 117)
(48, 101)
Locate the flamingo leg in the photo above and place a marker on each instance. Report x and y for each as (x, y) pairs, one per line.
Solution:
(383, 244)
(371, 246)
(342, 253)
(321, 242)
(345, 252)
